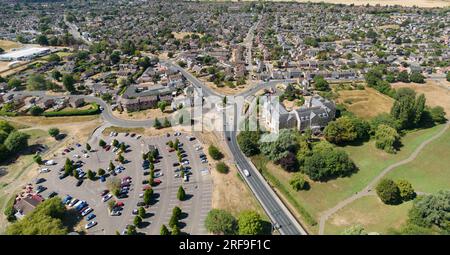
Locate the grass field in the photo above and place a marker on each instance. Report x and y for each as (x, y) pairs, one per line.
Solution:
(365, 103)
(7, 45)
(371, 213)
(370, 161)
(430, 171)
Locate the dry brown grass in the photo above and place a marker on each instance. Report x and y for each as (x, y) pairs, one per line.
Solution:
(365, 103)
(230, 192)
(181, 35)
(46, 121)
(434, 93)
(7, 45)
(143, 115)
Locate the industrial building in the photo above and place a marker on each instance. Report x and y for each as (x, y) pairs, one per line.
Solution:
(24, 54)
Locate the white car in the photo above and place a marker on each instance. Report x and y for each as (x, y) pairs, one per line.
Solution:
(90, 224)
(49, 162)
(73, 202)
(141, 195)
(44, 170)
(106, 197)
(246, 172)
(76, 156)
(139, 136)
(86, 156)
(86, 212)
(111, 134)
(158, 174)
(115, 149)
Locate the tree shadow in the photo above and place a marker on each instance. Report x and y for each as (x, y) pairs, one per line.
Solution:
(187, 197)
(183, 215)
(181, 224)
(266, 228)
(71, 218)
(60, 137)
(148, 215)
(144, 224)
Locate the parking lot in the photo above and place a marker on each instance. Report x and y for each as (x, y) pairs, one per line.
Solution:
(198, 187)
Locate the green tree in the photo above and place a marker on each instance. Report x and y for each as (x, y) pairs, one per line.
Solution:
(114, 57)
(176, 212)
(250, 223)
(166, 123)
(388, 191)
(164, 231)
(220, 222)
(16, 141)
(91, 175)
(88, 147)
(137, 221)
(417, 77)
(101, 172)
(341, 130)
(406, 190)
(162, 105)
(101, 143)
(54, 58)
(14, 83)
(148, 194)
(438, 114)
(277, 146)
(157, 124)
(221, 167)
(173, 222)
(406, 109)
(181, 194)
(68, 82)
(431, 211)
(37, 159)
(131, 230)
(214, 152)
(248, 142)
(320, 83)
(403, 76)
(36, 110)
(121, 159)
(298, 182)
(42, 39)
(448, 76)
(387, 138)
(141, 212)
(53, 132)
(176, 230)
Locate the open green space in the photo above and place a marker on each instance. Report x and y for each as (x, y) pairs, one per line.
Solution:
(371, 213)
(370, 161)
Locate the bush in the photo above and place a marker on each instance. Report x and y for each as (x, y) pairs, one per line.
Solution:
(298, 182)
(406, 190)
(53, 132)
(220, 222)
(289, 162)
(95, 109)
(214, 152)
(221, 167)
(438, 114)
(250, 223)
(388, 191)
(387, 138)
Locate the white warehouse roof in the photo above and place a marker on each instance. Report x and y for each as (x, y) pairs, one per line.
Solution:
(26, 53)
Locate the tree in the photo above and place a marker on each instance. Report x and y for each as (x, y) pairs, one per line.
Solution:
(68, 82)
(181, 194)
(340, 130)
(176, 230)
(91, 175)
(121, 158)
(164, 231)
(388, 191)
(431, 211)
(221, 167)
(406, 190)
(42, 40)
(36, 110)
(438, 114)
(383, 118)
(45, 219)
(355, 230)
(320, 83)
(214, 152)
(387, 138)
(148, 194)
(157, 124)
(88, 147)
(101, 171)
(131, 230)
(137, 221)
(220, 222)
(16, 141)
(37, 159)
(327, 162)
(14, 83)
(298, 182)
(448, 76)
(417, 77)
(248, 142)
(289, 162)
(111, 166)
(407, 109)
(250, 223)
(54, 58)
(162, 105)
(277, 146)
(166, 123)
(173, 222)
(53, 132)
(68, 166)
(141, 212)
(114, 57)
(403, 76)
(36, 82)
(176, 212)
(101, 143)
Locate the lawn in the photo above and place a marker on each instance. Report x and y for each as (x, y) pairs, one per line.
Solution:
(370, 161)
(430, 171)
(365, 103)
(371, 213)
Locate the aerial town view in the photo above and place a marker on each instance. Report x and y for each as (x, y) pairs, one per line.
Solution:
(164, 117)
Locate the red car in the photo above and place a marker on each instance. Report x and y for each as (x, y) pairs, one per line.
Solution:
(126, 178)
(146, 187)
(107, 147)
(156, 181)
(120, 204)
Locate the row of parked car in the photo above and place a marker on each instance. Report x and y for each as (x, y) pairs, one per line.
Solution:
(83, 208)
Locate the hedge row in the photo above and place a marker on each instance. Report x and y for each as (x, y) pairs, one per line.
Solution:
(94, 110)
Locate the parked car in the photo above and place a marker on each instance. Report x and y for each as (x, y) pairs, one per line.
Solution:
(67, 199)
(86, 211)
(40, 180)
(102, 178)
(90, 216)
(107, 197)
(116, 213)
(135, 211)
(138, 137)
(62, 176)
(40, 189)
(90, 224)
(140, 203)
(104, 192)
(44, 170)
(73, 202)
(79, 182)
(52, 194)
(49, 162)
(132, 135)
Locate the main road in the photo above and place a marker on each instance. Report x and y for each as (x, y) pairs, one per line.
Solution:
(277, 211)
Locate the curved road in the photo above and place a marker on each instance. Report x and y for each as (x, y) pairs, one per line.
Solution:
(368, 189)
